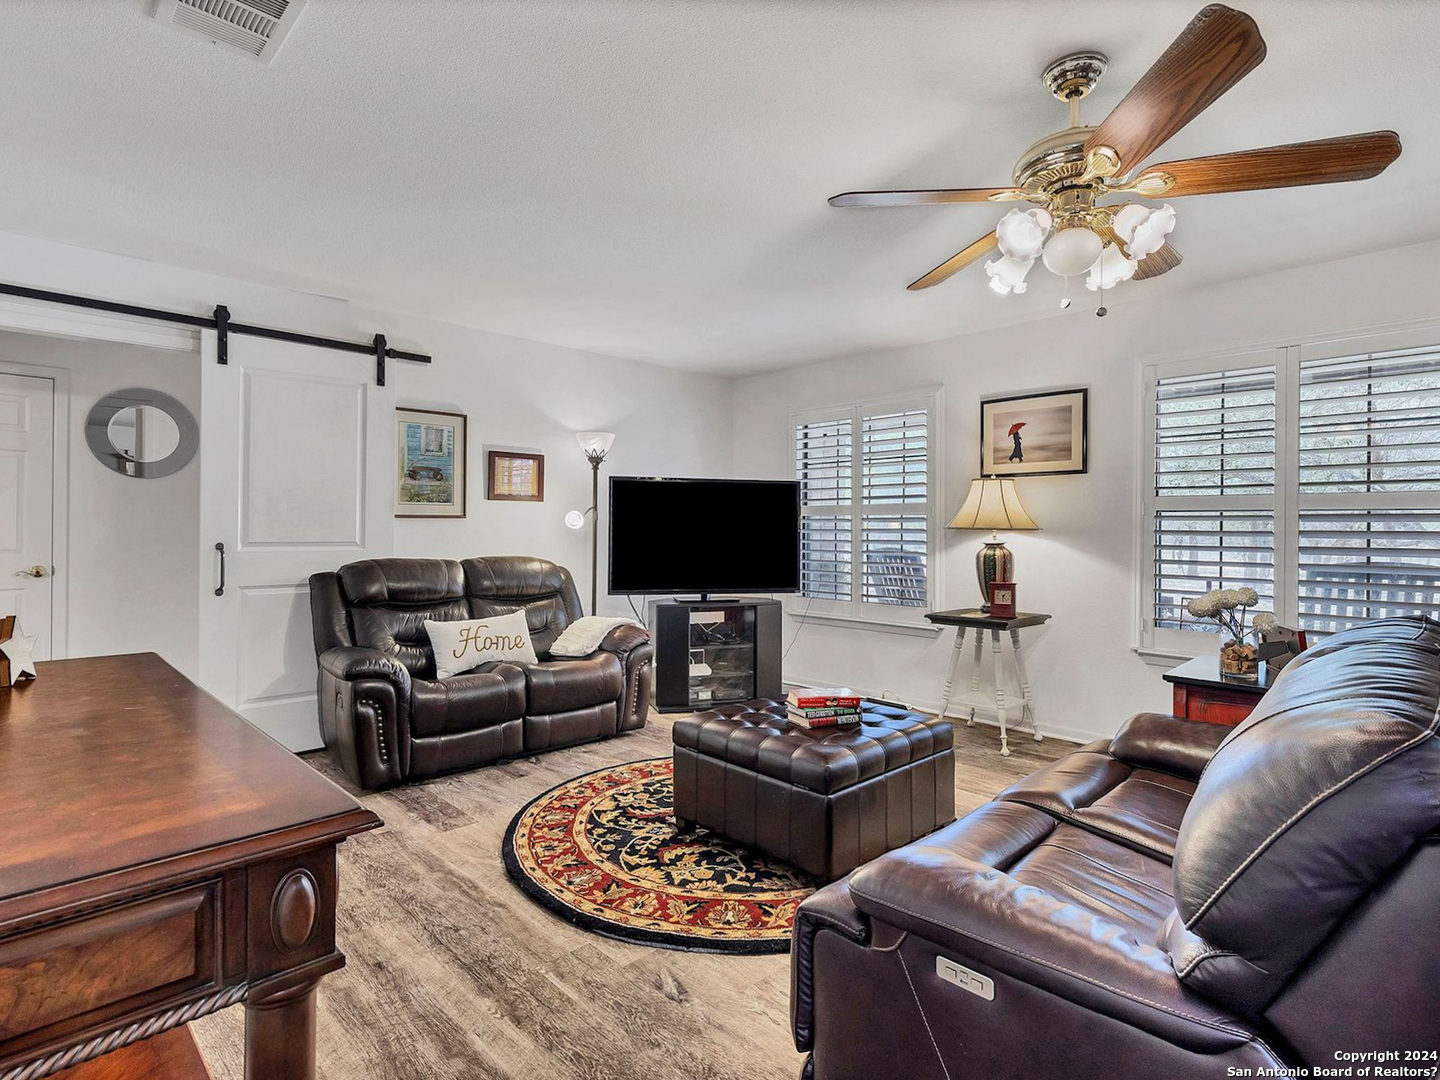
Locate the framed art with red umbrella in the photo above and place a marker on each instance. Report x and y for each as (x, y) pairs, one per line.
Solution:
(1035, 434)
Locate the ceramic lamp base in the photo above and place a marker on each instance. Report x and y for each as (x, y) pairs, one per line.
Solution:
(993, 562)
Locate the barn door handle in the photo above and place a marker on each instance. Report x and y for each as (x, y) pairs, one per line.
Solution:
(220, 591)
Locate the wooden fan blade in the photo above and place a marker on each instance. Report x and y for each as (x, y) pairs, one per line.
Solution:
(1324, 161)
(922, 198)
(1212, 54)
(953, 265)
(1157, 262)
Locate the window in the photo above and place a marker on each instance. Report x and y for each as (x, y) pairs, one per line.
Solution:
(867, 530)
(1310, 473)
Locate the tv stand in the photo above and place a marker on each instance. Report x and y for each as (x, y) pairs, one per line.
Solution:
(714, 652)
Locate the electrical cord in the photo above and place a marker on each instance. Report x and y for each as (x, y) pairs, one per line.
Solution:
(808, 601)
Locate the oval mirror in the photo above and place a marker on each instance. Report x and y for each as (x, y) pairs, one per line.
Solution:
(141, 433)
(144, 433)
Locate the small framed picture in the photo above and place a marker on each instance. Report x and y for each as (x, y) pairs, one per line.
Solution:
(430, 456)
(1035, 434)
(514, 476)
(1002, 599)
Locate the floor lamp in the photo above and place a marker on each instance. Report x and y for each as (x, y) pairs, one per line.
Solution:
(594, 445)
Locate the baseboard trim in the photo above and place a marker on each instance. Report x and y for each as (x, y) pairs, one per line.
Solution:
(926, 705)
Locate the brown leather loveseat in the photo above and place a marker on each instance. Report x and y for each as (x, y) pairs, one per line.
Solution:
(388, 719)
(1182, 901)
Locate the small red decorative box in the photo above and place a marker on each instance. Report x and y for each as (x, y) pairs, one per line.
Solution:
(1002, 599)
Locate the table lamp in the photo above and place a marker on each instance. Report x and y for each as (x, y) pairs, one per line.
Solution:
(993, 504)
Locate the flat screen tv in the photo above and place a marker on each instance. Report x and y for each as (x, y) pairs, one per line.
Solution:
(704, 536)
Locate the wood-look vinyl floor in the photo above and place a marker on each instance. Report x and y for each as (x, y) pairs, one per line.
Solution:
(454, 974)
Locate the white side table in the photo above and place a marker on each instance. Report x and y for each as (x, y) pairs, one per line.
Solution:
(966, 619)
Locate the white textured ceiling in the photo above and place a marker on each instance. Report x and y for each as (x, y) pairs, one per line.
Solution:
(648, 179)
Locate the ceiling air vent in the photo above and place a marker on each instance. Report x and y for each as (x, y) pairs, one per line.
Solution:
(252, 27)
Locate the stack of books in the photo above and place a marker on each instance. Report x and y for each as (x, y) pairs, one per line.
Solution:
(820, 707)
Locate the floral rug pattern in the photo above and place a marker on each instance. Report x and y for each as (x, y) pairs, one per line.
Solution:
(601, 851)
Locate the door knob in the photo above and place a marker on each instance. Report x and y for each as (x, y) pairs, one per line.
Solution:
(34, 571)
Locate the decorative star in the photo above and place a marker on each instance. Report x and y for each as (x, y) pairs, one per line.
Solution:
(19, 650)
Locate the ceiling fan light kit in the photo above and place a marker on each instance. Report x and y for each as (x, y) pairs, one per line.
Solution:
(1067, 173)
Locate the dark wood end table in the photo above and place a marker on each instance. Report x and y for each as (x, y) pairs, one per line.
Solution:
(966, 619)
(1202, 693)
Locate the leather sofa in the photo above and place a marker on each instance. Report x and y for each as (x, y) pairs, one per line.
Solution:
(388, 719)
(1184, 900)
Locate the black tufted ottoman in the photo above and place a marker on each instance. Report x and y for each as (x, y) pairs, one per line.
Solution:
(824, 800)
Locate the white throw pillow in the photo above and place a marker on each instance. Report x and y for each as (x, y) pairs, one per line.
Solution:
(460, 646)
(583, 636)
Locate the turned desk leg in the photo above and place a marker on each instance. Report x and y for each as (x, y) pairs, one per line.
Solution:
(280, 1035)
(999, 692)
(1026, 709)
(954, 666)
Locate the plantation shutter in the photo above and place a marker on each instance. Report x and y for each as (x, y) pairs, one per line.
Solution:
(1211, 495)
(895, 479)
(824, 465)
(1368, 487)
(865, 488)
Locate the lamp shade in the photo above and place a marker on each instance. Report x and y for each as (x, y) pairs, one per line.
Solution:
(993, 503)
(1072, 251)
(1021, 233)
(1110, 269)
(595, 442)
(1007, 275)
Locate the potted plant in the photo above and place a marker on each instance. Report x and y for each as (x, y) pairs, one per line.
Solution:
(1228, 608)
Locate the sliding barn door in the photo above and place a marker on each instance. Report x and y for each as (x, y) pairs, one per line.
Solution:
(296, 457)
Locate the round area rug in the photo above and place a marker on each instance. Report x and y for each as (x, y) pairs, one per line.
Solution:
(602, 852)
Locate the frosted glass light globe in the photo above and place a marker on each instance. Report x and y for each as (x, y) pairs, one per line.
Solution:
(1110, 269)
(1021, 233)
(574, 519)
(1007, 275)
(1071, 252)
(1142, 229)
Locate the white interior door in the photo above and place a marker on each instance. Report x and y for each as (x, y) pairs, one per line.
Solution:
(296, 453)
(27, 484)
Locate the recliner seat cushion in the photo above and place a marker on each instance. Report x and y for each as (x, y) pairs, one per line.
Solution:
(1031, 850)
(1091, 789)
(557, 686)
(491, 694)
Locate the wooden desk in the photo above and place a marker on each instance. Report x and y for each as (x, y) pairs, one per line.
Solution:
(162, 859)
(965, 619)
(1201, 693)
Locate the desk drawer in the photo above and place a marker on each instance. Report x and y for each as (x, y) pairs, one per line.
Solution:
(133, 954)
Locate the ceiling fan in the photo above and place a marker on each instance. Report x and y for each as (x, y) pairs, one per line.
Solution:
(1066, 174)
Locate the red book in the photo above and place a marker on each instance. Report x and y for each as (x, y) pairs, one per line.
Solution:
(838, 698)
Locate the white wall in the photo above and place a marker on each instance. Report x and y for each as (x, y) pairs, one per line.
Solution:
(515, 393)
(130, 575)
(1081, 566)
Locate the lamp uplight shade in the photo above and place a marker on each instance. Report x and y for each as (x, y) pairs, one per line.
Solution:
(993, 503)
(595, 442)
(1110, 269)
(1007, 275)
(1021, 233)
(1144, 229)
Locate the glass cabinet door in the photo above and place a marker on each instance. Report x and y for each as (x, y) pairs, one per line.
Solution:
(722, 656)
